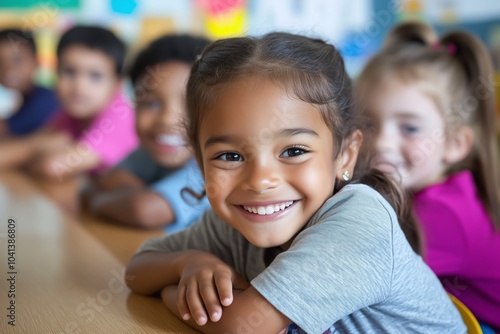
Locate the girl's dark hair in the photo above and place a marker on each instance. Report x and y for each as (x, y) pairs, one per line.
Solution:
(456, 72)
(97, 38)
(182, 48)
(309, 69)
(19, 37)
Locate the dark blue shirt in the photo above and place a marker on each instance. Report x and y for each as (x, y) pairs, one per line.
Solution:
(36, 110)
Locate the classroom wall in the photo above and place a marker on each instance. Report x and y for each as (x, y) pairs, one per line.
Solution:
(356, 26)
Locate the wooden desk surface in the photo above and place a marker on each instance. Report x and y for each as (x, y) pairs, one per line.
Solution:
(69, 270)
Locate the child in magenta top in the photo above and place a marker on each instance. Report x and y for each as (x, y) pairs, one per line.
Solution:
(95, 114)
(432, 101)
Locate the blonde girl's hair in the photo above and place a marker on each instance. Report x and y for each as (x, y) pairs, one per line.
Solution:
(456, 72)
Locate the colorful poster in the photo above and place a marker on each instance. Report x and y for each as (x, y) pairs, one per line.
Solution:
(126, 7)
(180, 12)
(224, 18)
(24, 4)
(153, 27)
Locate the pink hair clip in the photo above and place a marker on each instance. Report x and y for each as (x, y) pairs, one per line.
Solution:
(450, 48)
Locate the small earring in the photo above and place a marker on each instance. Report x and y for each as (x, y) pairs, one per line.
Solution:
(346, 176)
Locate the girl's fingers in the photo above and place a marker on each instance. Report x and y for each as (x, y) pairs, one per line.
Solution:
(182, 303)
(195, 303)
(210, 299)
(224, 287)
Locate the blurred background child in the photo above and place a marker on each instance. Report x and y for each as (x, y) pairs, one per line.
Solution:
(145, 189)
(18, 64)
(27, 106)
(95, 113)
(432, 102)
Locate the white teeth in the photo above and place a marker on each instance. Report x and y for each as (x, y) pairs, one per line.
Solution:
(268, 210)
(171, 140)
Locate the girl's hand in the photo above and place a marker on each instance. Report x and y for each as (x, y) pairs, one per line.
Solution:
(205, 286)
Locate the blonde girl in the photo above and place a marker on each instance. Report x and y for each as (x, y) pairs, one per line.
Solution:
(432, 103)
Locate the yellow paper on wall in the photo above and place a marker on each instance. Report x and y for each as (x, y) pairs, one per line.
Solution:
(228, 24)
(154, 27)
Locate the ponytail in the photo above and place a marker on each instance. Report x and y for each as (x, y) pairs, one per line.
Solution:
(410, 33)
(460, 71)
(482, 161)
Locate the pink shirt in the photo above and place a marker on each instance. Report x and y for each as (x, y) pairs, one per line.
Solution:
(461, 245)
(111, 133)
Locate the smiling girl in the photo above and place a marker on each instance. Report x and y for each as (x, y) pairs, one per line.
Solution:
(293, 235)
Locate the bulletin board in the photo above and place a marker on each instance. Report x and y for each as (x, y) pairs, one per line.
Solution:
(25, 4)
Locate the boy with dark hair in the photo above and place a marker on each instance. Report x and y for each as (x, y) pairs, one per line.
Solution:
(145, 190)
(96, 115)
(18, 64)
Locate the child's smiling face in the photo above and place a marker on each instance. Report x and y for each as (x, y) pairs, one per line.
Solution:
(268, 160)
(87, 81)
(161, 113)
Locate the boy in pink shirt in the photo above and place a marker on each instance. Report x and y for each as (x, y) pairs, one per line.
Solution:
(97, 118)
(108, 135)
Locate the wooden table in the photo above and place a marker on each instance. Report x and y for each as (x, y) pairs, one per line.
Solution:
(68, 270)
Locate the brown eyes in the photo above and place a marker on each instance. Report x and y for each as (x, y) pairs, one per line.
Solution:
(290, 152)
(229, 156)
(293, 152)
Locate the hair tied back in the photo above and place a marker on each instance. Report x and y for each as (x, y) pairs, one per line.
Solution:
(451, 48)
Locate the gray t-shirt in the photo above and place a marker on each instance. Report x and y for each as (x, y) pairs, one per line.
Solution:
(351, 270)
